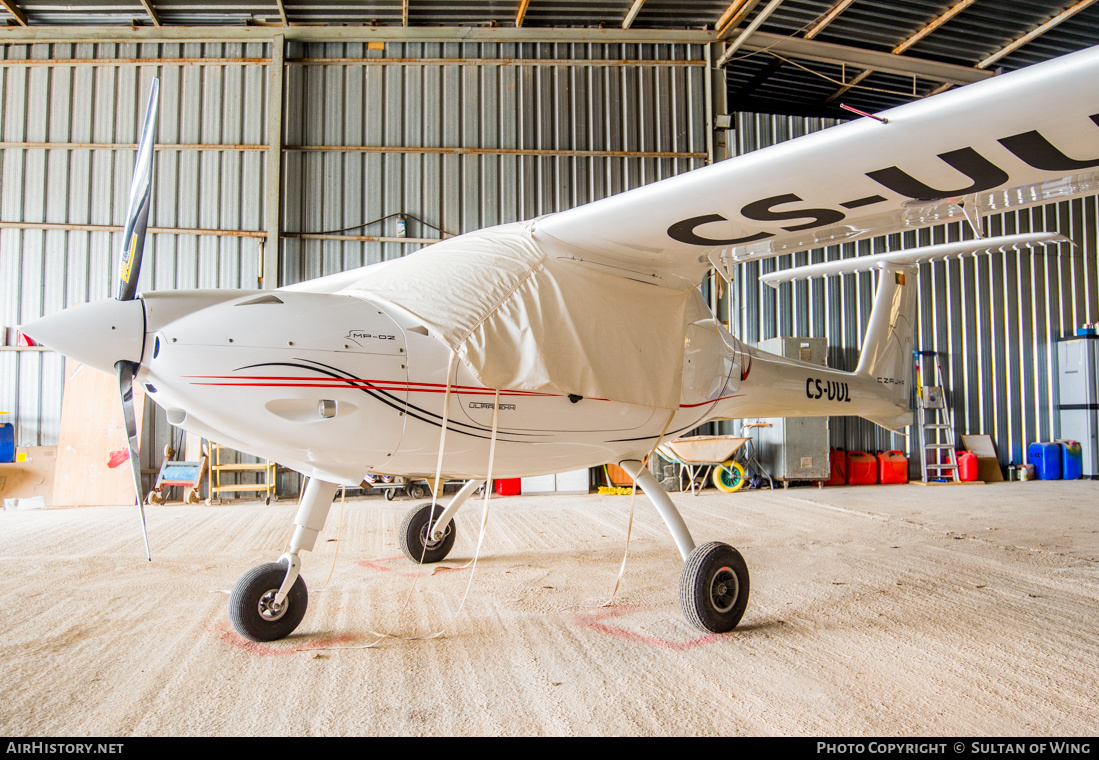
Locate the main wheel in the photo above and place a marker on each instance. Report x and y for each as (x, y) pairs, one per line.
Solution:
(414, 538)
(729, 476)
(251, 607)
(713, 588)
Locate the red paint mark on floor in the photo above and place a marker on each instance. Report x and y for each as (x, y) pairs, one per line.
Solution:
(224, 631)
(375, 564)
(592, 621)
(117, 458)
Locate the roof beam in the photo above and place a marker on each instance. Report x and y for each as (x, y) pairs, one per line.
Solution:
(522, 12)
(764, 74)
(757, 22)
(912, 40)
(404, 12)
(152, 12)
(827, 52)
(117, 33)
(855, 82)
(282, 13)
(13, 9)
(951, 13)
(634, 10)
(737, 11)
(828, 18)
(1067, 13)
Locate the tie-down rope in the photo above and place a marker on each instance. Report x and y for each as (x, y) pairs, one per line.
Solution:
(435, 503)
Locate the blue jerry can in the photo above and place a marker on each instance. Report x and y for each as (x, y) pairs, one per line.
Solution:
(1072, 460)
(1046, 458)
(7, 442)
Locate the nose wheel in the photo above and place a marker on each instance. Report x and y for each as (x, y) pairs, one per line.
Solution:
(713, 587)
(252, 607)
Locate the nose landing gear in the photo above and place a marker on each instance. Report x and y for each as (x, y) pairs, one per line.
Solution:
(254, 611)
(269, 601)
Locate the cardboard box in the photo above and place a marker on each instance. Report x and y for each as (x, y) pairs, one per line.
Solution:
(32, 477)
(988, 461)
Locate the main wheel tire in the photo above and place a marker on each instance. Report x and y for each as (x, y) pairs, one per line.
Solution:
(250, 604)
(729, 476)
(713, 588)
(413, 535)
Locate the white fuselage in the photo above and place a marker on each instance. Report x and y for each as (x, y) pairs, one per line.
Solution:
(336, 387)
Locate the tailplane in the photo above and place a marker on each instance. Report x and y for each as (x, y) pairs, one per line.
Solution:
(887, 350)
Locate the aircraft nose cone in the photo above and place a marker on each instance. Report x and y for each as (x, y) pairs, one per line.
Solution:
(98, 334)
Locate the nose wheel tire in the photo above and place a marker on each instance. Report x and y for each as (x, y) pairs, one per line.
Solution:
(413, 535)
(252, 609)
(713, 588)
(729, 476)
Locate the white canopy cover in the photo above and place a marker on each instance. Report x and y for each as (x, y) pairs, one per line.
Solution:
(524, 320)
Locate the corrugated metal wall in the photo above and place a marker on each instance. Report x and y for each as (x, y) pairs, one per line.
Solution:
(465, 136)
(996, 318)
(65, 121)
(458, 135)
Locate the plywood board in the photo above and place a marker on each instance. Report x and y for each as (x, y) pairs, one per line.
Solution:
(93, 467)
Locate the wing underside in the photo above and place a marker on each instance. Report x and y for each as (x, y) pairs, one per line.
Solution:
(1012, 141)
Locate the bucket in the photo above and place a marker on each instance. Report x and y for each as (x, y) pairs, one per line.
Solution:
(507, 486)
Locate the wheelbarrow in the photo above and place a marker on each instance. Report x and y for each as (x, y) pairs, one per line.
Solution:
(710, 456)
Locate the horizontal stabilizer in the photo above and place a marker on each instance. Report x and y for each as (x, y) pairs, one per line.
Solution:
(914, 256)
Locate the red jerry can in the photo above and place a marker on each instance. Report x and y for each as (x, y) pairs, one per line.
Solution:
(862, 468)
(838, 460)
(967, 466)
(893, 467)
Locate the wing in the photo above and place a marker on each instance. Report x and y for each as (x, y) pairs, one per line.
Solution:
(1019, 139)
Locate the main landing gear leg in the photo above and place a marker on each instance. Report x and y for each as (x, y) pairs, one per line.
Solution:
(713, 586)
(269, 601)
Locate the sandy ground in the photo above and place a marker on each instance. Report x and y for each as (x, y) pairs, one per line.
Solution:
(888, 611)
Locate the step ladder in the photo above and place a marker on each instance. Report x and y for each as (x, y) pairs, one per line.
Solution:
(940, 459)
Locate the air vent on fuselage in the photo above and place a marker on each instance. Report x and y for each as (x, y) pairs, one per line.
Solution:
(260, 300)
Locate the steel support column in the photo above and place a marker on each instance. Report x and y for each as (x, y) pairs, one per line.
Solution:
(273, 209)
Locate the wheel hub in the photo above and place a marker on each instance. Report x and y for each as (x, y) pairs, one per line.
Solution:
(270, 611)
(724, 589)
(425, 536)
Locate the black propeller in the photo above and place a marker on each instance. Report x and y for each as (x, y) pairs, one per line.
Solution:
(129, 268)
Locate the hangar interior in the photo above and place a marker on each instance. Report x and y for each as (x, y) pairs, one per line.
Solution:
(303, 138)
(308, 129)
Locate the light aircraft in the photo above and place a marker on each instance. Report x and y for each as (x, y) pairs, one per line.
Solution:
(580, 338)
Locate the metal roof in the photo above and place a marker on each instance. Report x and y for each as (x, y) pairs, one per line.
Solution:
(784, 56)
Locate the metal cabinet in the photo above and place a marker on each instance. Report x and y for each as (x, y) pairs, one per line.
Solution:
(796, 448)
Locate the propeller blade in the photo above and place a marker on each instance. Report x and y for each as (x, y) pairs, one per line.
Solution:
(126, 392)
(137, 213)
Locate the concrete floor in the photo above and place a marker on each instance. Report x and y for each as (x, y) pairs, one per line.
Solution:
(883, 611)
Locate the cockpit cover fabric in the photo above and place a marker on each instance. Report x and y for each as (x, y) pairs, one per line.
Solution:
(524, 320)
